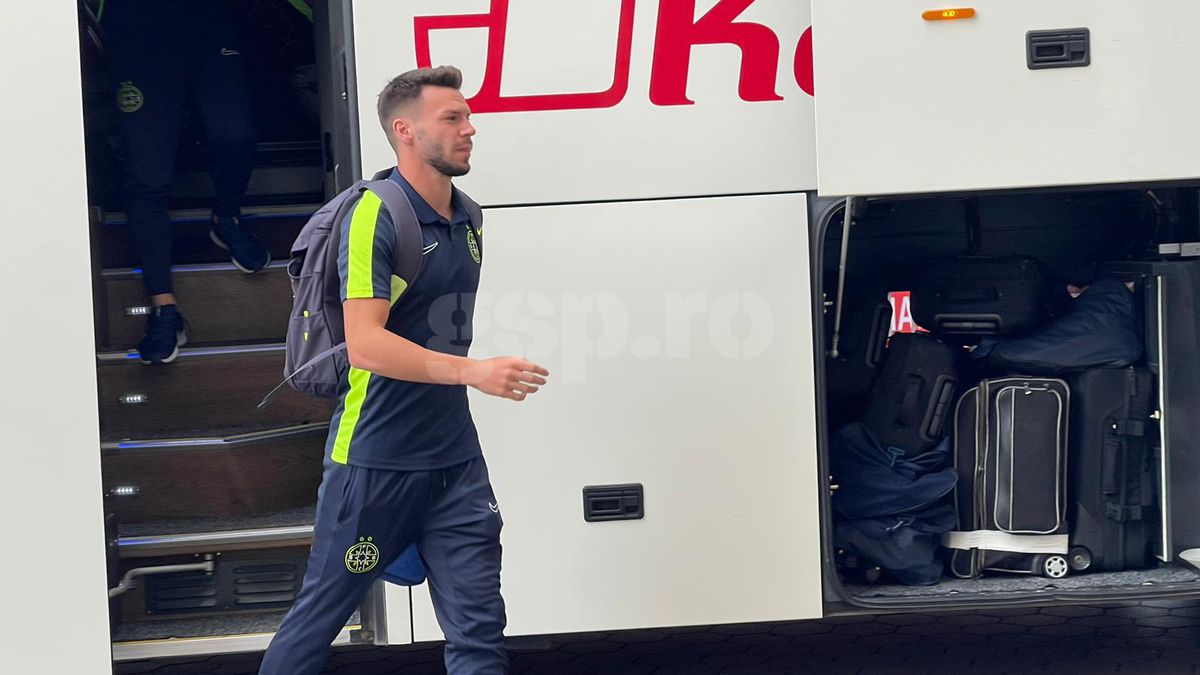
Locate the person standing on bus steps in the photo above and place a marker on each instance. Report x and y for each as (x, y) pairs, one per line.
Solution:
(403, 462)
(164, 51)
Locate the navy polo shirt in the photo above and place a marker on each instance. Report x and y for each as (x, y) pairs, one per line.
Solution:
(382, 423)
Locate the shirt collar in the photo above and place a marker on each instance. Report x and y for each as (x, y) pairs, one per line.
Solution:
(426, 213)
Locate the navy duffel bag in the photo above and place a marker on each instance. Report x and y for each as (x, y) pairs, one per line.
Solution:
(1100, 329)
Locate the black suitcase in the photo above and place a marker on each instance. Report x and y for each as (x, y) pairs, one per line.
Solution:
(1113, 512)
(1010, 451)
(861, 343)
(1002, 295)
(911, 399)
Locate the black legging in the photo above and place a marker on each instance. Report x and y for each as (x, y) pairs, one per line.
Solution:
(162, 51)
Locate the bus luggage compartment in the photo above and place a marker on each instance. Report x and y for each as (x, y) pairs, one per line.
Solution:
(1076, 235)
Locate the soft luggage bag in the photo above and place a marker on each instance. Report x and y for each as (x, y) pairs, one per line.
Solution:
(1099, 329)
(891, 506)
(912, 398)
(1010, 452)
(1113, 512)
(1003, 295)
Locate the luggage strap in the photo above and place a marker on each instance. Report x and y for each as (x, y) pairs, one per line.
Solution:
(1128, 428)
(1122, 514)
(1003, 541)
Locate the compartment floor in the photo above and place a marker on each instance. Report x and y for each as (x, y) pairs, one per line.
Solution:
(205, 626)
(998, 583)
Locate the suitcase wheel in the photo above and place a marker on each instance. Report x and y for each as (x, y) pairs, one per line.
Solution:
(1080, 559)
(1050, 566)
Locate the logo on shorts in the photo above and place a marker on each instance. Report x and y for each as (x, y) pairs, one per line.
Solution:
(129, 98)
(225, 51)
(494, 507)
(473, 246)
(363, 556)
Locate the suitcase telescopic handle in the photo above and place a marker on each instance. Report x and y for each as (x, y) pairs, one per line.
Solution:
(939, 406)
(988, 294)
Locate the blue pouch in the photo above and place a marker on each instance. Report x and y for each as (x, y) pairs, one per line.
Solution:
(407, 570)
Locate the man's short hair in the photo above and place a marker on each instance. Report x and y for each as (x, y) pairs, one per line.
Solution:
(406, 88)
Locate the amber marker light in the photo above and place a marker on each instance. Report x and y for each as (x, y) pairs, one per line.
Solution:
(948, 14)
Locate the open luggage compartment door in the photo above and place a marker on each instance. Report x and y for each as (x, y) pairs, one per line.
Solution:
(717, 429)
(1022, 94)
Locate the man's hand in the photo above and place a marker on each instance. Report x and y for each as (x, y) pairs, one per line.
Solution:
(506, 377)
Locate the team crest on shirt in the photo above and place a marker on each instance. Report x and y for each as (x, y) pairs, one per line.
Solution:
(363, 556)
(129, 98)
(473, 246)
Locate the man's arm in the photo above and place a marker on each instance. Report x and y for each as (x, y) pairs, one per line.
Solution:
(374, 348)
(365, 254)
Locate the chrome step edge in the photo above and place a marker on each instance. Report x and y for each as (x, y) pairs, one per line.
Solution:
(107, 357)
(234, 441)
(198, 268)
(169, 543)
(249, 213)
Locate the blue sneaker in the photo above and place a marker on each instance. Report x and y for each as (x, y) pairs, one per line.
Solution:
(166, 332)
(246, 252)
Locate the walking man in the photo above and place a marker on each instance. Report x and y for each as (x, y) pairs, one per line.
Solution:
(403, 460)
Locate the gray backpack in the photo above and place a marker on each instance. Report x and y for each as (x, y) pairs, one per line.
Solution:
(315, 361)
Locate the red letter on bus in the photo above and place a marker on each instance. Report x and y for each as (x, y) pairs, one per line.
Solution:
(804, 62)
(489, 98)
(678, 31)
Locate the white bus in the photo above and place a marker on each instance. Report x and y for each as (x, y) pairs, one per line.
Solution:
(677, 172)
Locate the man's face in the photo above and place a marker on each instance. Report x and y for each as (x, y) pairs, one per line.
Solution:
(442, 131)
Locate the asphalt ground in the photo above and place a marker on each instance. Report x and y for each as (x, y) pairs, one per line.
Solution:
(1157, 636)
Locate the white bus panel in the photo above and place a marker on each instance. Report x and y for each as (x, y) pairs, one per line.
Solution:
(908, 105)
(588, 100)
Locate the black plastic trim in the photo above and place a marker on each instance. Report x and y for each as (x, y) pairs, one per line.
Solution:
(1064, 48)
(603, 503)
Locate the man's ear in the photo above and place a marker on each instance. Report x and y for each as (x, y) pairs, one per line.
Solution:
(402, 131)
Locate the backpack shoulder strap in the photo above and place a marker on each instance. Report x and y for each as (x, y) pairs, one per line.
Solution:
(475, 213)
(474, 210)
(332, 299)
(409, 252)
